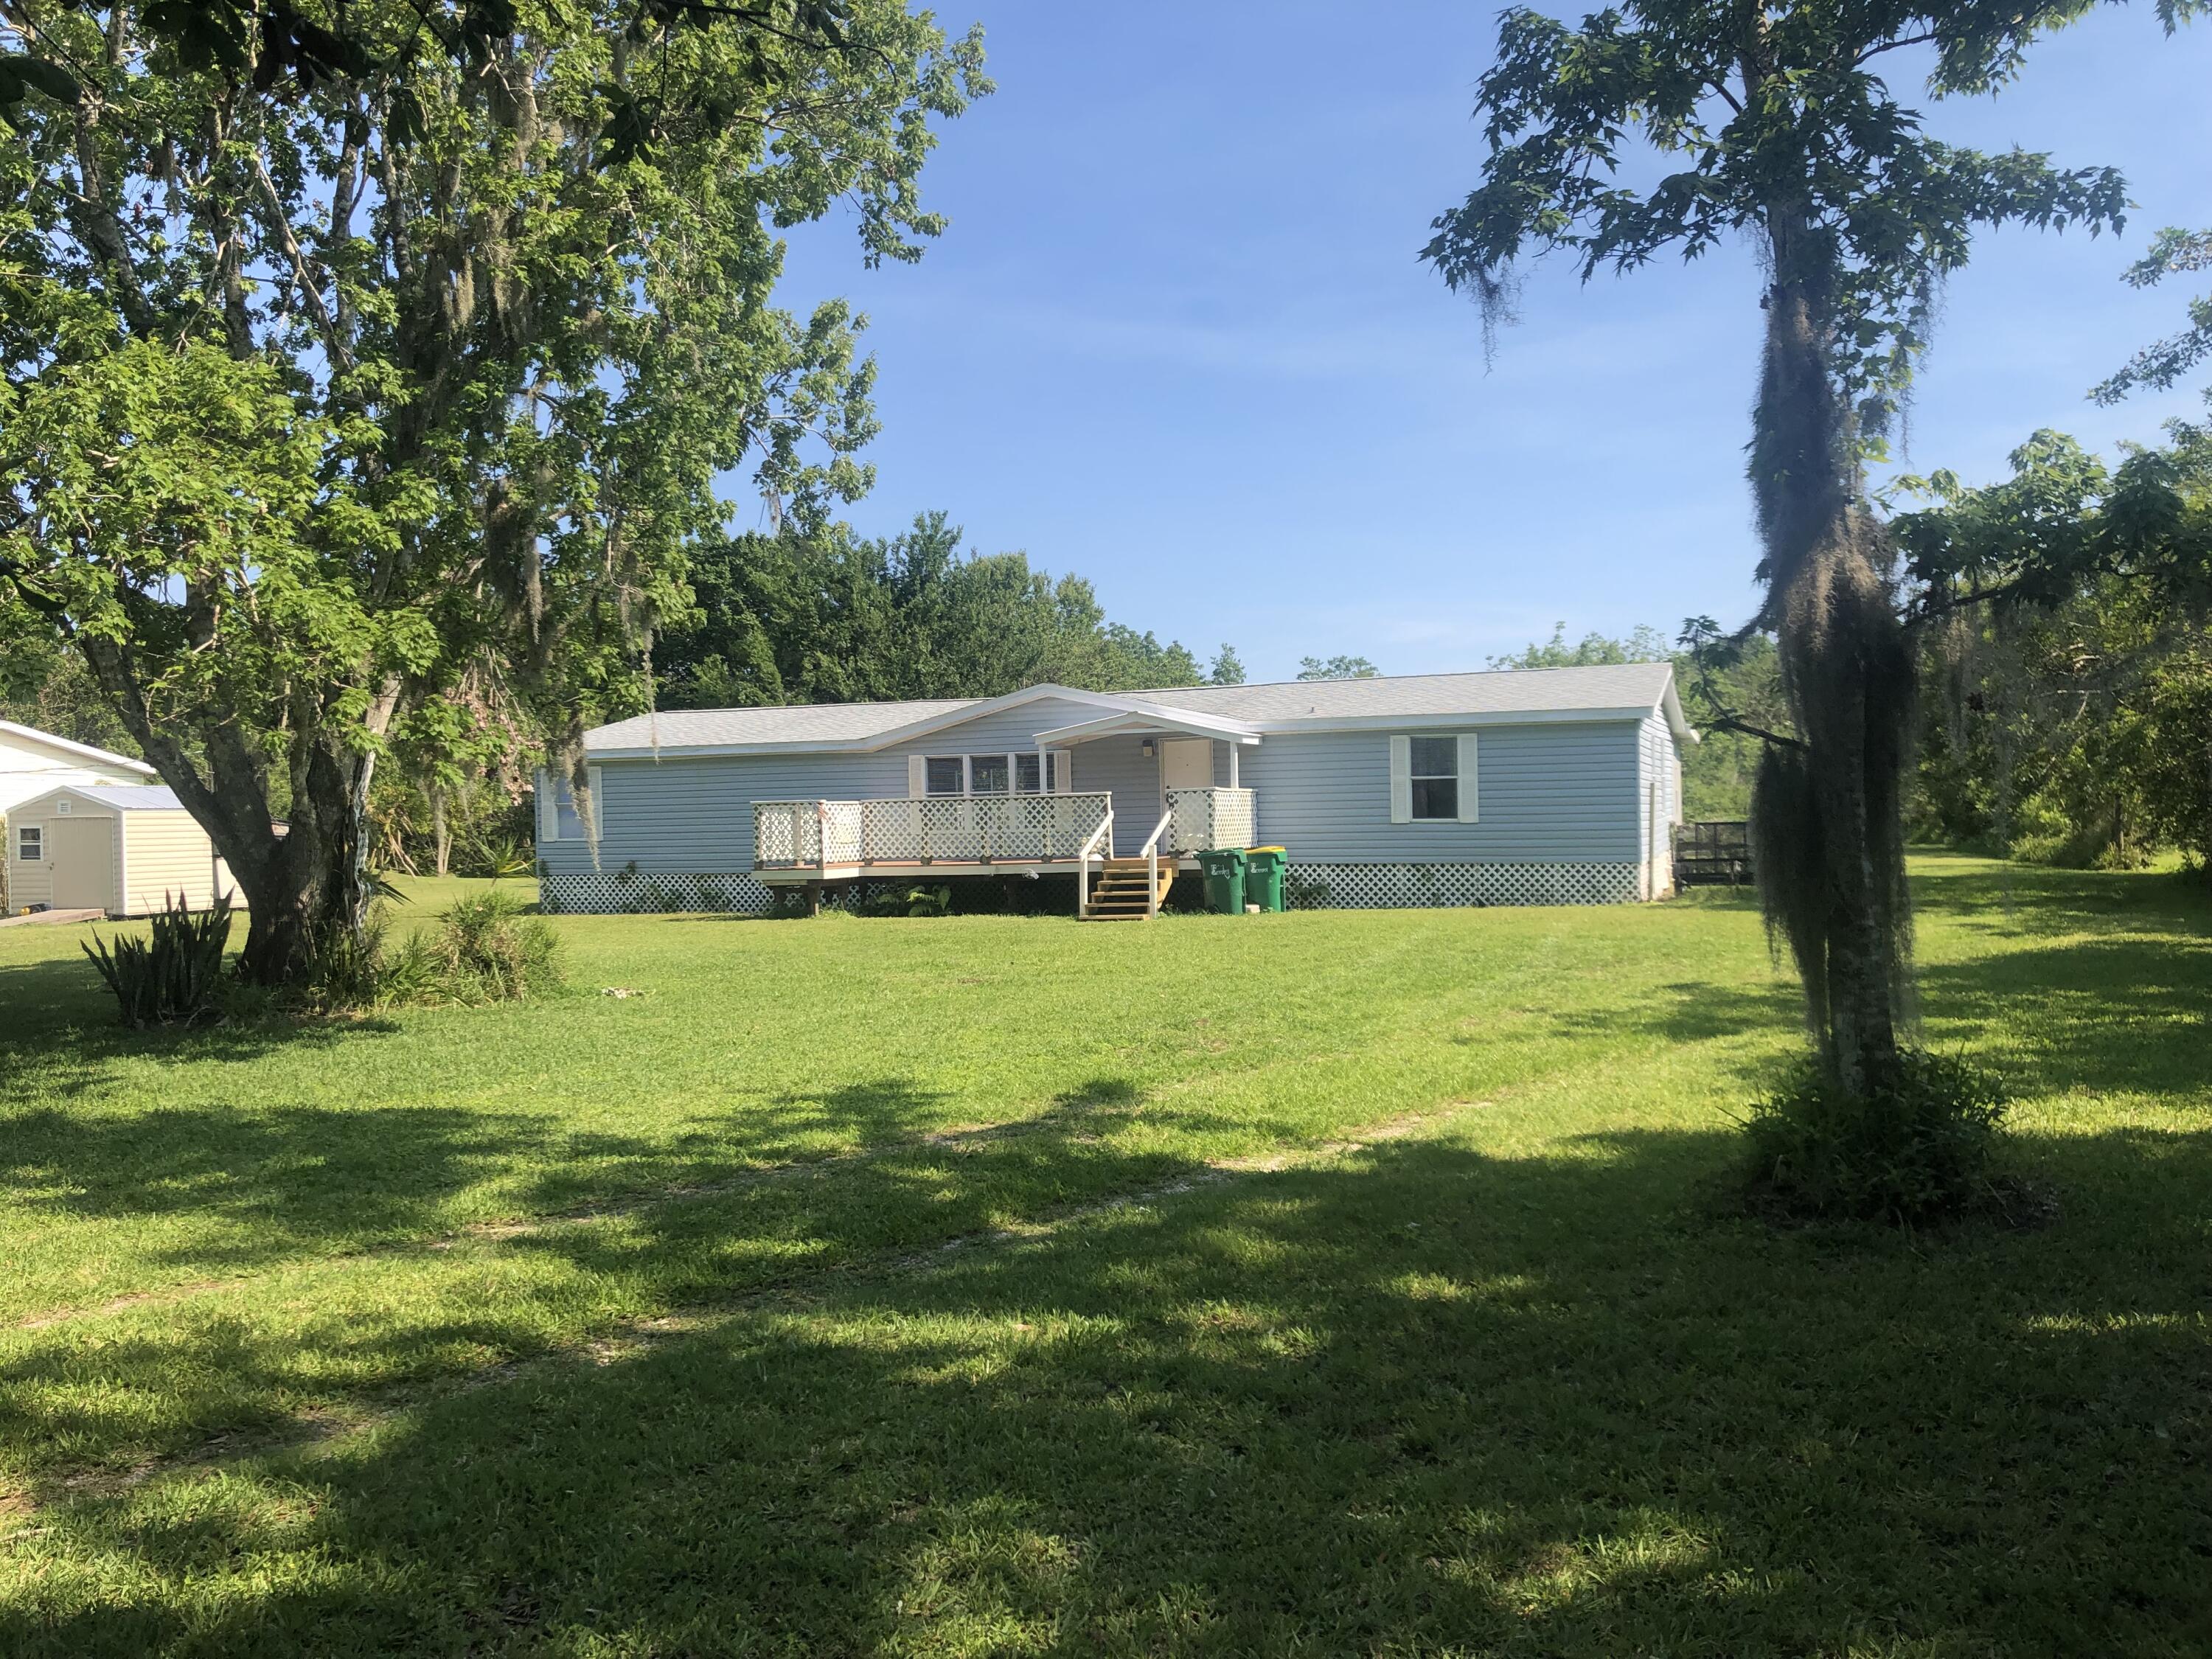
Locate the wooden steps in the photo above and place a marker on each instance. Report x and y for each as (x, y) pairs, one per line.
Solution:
(1119, 894)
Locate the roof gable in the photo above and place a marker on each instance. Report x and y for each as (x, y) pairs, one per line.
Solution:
(15, 736)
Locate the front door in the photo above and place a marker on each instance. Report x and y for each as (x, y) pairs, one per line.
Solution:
(1187, 764)
(82, 862)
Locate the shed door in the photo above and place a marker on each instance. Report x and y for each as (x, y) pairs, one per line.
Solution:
(82, 859)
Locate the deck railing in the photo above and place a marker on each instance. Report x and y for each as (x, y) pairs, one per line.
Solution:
(1206, 819)
(801, 834)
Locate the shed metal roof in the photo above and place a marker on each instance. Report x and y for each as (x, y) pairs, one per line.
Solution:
(124, 797)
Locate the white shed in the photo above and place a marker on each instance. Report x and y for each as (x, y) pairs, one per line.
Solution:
(122, 850)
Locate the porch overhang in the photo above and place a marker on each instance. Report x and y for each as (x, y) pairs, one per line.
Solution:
(1149, 721)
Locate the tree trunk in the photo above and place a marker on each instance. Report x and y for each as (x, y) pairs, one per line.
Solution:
(1848, 673)
(440, 836)
(303, 883)
(313, 879)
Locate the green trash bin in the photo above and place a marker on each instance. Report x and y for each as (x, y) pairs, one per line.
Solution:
(1263, 877)
(1224, 867)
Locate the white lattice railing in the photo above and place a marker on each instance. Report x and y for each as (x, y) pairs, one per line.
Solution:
(1206, 819)
(968, 829)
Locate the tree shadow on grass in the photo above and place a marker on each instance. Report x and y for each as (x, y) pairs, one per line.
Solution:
(1421, 1399)
(2131, 1014)
(281, 1180)
(2029, 898)
(60, 1035)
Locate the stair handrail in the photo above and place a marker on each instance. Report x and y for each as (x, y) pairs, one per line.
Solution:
(1152, 863)
(1083, 858)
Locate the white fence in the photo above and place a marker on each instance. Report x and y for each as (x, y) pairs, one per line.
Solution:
(1206, 819)
(962, 829)
(805, 835)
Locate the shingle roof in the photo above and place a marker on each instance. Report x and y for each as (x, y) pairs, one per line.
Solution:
(1403, 696)
(1498, 691)
(818, 722)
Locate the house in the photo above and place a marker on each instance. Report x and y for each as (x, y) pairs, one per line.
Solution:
(33, 761)
(126, 850)
(1530, 786)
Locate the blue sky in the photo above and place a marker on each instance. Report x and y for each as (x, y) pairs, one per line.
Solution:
(1176, 339)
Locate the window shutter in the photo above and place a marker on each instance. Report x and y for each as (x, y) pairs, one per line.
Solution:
(1402, 779)
(1470, 797)
(548, 808)
(1064, 772)
(917, 776)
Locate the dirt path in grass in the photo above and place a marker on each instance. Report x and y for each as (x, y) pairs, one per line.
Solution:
(632, 1338)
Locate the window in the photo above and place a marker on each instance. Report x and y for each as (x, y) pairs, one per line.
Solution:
(1432, 780)
(1435, 773)
(557, 817)
(30, 843)
(992, 774)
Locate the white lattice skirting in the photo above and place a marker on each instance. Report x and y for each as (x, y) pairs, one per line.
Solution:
(1312, 887)
(1411, 886)
(621, 894)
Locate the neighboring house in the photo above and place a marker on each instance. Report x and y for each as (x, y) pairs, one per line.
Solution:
(33, 761)
(1529, 786)
(124, 849)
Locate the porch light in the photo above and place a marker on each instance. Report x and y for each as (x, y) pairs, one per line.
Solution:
(1148, 749)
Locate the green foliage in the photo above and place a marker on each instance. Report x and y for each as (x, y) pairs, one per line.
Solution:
(1227, 668)
(2161, 365)
(1914, 1147)
(2164, 742)
(1594, 650)
(1754, 116)
(365, 404)
(43, 683)
(909, 901)
(174, 976)
(1337, 668)
(2068, 601)
(826, 618)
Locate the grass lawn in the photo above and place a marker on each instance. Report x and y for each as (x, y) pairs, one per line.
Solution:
(1330, 1283)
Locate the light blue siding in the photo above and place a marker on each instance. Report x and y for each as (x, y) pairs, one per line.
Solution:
(1118, 765)
(1556, 792)
(694, 816)
(1563, 791)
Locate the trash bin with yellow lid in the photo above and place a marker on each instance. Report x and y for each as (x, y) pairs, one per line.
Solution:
(1263, 876)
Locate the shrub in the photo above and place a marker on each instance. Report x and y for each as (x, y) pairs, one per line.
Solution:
(349, 967)
(174, 976)
(912, 901)
(1917, 1150)
(488, 948)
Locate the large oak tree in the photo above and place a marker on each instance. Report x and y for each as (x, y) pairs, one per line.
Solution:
(366, 363)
